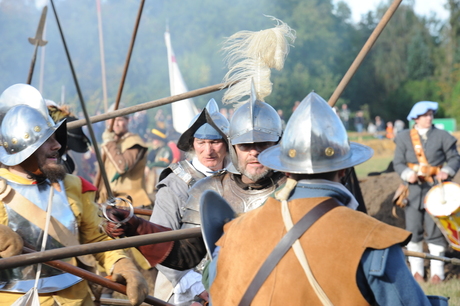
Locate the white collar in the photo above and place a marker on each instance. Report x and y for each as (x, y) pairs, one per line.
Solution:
(200, 167)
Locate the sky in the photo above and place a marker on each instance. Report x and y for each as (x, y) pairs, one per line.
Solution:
(421, 7)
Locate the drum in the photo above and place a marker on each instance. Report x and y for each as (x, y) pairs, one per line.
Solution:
(442, 202)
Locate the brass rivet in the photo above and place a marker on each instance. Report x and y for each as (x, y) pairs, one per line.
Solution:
(5, 144)
(14, 141)
(329, 151)
(49, 124)
(37, 129)
(292, 153)
(26, 136)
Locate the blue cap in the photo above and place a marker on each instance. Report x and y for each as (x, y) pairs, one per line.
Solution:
(206, 131)
(421, 108)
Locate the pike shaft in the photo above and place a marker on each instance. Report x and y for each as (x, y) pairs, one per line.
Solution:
(97, 247)
(454, 261)
(364, 51)
(148, 105)
(83, 107)
(94, 278)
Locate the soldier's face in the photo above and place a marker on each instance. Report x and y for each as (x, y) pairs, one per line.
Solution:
(248, 162)
(426, 120)
(210, 153)
(49, 161)
(120, 126)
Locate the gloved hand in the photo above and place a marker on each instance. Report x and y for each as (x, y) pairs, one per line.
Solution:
(124, 271)
(128, 228)
(10, 242)
(154, 253)
(107, 136)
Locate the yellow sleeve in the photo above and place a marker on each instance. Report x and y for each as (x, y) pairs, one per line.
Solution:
(86, 212)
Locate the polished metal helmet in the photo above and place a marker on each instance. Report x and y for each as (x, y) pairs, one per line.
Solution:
(255, 121)
(314, 141)
(209, 124)
(24, 129)
(22, 94)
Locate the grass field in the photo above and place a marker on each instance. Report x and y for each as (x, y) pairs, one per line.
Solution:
(375, 164)
(450, 289)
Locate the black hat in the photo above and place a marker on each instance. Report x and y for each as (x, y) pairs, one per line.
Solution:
(76, 139)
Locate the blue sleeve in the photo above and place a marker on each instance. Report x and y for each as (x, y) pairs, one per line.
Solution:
(384, 278)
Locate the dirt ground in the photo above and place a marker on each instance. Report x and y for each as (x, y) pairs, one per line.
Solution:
(378, 192)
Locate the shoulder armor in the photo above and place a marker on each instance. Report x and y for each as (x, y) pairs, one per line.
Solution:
(186, 172)
(191, 213)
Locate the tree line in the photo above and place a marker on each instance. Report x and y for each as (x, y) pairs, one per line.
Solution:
(416, 58)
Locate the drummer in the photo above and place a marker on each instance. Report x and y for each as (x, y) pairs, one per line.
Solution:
(437, 149)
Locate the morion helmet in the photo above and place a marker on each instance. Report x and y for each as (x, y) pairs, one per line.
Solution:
(25, 124)
(314, 141)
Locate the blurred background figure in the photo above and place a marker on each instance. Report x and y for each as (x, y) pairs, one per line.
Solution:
(390, 131)
(344, 115)
(398, 126)
(281, 114)
(359, 121)
(380, 126)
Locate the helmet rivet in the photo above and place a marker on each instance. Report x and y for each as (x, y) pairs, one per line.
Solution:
(26, 136)
(5, 144)
(292, 153)
(37, 129)
(49, 124)
(14, 141)
(329, 151)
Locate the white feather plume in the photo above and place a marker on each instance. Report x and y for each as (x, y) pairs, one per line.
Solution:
(250, 56)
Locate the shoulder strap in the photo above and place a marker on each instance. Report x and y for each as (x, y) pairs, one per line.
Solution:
(284, 245)
(423, 166)
(418, 148)
(37, 216)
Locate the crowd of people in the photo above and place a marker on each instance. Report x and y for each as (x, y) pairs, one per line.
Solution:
(377, 128)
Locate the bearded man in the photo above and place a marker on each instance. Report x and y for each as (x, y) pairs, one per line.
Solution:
(34, 183)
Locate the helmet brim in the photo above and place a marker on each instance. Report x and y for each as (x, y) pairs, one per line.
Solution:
(271, 158)
(17, 158)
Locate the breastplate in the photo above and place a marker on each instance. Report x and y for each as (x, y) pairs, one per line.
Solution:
(21, 279)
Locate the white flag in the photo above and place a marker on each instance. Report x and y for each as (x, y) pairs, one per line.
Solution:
(185, 110)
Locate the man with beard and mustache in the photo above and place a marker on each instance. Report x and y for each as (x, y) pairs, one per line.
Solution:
(34, 183)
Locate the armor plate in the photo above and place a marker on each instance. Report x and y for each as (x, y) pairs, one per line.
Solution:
(21, 279)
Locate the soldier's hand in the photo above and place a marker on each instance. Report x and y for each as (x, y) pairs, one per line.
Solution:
(10, 242)
(124, 271)
(442, 176)
(108, 136)
(412, 178)
(114, 229)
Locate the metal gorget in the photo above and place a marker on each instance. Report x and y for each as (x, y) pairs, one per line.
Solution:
(21, 279)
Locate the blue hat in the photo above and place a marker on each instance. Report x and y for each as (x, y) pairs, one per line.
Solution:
(421, 108)
(206, 131)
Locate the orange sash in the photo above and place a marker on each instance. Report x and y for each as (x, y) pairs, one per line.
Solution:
(424, 170)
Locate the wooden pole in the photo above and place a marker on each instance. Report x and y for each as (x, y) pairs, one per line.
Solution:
(94, 278)
(97, 247)
(148, 105)
(364, 51)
